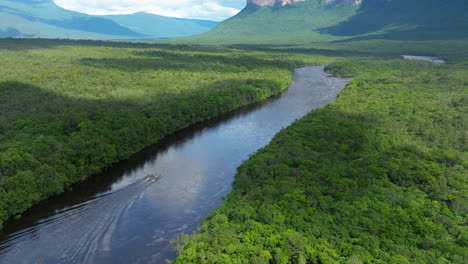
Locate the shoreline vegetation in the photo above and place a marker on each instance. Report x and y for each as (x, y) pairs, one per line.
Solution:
(377, 177)
(69, 109)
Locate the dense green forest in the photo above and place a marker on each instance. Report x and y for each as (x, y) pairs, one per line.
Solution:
(380, 176)
(69, 109)
(377, 177)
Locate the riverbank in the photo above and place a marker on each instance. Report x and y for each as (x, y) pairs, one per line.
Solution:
(110, 221)
(69, 109)
(379, 176)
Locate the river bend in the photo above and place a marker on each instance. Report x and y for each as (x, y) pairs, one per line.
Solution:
(124, 216)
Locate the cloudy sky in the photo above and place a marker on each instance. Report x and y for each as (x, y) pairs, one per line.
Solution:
(201, 9)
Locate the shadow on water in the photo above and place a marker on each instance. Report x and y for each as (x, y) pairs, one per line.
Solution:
(108, 206)
(197, 165)
(88, 189)
(53, 116)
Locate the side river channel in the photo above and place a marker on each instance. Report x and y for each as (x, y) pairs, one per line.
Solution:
(124, 216)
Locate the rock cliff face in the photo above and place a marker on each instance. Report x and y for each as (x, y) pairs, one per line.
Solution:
(285, 2)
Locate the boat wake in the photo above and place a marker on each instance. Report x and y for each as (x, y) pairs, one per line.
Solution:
(85, 230)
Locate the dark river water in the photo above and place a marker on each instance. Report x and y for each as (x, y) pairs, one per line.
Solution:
(124, 216)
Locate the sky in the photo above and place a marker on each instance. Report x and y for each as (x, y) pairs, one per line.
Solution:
(200, 9)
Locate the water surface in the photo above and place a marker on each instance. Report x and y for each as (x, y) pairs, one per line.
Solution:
(124, 216)
(424, 58)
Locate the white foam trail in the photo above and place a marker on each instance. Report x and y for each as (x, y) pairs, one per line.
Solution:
(84, 230)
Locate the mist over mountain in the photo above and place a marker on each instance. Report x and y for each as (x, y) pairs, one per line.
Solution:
(44, 19)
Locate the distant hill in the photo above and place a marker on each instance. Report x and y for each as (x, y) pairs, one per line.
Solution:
(44, 19)
(306, 21)
(161, 26)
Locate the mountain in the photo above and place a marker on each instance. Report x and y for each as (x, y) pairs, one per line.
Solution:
(44, 19)
(279, 3)
(161, 26)
(306, 21)
(406, 20)
(272, 2)
(281, 22)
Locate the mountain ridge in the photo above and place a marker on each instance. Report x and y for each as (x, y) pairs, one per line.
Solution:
(280, 3)
(310, 21)
(272, 2)
(45, 19)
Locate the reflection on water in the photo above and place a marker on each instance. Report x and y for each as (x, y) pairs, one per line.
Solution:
(123, 217)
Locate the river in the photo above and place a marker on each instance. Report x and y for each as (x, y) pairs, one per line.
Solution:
(424, 58)
(124, 216)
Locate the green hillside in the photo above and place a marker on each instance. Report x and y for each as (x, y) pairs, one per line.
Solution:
(26, 18)
(296, 23)
(316, 21)
(44, 19)
(161, 26)
(406, 20)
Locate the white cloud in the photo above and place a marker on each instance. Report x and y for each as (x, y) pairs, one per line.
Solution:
(200, 9)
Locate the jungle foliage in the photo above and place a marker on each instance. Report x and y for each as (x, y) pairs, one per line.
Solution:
(69, 109)
(380, 176)
(377, 177)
